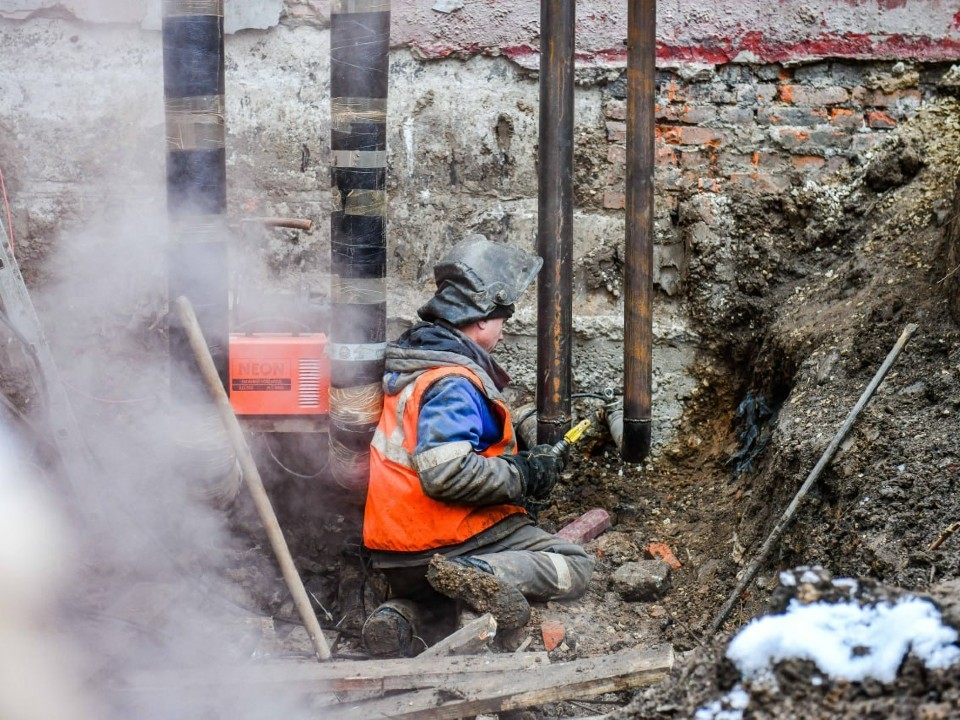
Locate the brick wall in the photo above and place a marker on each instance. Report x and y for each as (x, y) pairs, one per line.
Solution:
(760, 128)
(765, 127)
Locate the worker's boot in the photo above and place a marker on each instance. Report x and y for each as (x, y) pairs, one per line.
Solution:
(473, 582)
(391, 631)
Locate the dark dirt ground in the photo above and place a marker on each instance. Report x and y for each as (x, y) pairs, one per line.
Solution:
(845, 265)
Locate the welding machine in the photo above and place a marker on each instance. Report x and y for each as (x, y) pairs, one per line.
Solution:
(279, 374)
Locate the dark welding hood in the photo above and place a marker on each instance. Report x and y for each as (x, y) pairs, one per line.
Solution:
(478, 279)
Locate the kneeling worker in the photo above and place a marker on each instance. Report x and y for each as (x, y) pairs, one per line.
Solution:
(444, 506)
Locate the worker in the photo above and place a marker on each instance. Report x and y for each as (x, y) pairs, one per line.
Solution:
(444, 514)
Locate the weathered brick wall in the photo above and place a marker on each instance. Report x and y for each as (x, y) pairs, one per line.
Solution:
(758, 128)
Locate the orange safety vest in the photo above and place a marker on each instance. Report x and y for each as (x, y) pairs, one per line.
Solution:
(398, 515)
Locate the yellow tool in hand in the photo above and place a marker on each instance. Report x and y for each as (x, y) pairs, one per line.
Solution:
(570, 437)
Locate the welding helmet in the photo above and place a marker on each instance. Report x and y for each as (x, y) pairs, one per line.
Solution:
(479, 279)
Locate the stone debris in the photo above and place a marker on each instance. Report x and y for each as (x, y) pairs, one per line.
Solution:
(644, 580)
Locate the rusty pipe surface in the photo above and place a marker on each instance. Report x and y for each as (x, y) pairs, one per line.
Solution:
(555, 219)
(359, 69)
(638, 265)
(251, 476)
(193, 90)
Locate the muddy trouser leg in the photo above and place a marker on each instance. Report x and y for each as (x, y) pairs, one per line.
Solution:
(542, 566)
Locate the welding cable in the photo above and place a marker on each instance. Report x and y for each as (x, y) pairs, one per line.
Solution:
(6, 204)
(283, 467)
(31, 351)
(109, 401)
(573, 396)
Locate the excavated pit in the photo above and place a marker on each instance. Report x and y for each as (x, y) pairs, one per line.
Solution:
(836, 270)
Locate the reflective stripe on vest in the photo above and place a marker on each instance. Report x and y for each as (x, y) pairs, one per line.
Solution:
(398, 516)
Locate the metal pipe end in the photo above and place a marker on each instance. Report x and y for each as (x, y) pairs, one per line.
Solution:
(636, 440)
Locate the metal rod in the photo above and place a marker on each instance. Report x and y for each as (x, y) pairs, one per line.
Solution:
(638, 264)
(204, 361)
(555, 219)
(784, 521)
(305, 224)
(359, 66)
(193, 87)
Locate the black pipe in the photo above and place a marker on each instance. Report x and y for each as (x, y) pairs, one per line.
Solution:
(555, 219)
(193, 85)
(359, 64)
(638, 264)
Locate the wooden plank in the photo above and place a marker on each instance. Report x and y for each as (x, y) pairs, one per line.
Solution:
(472, 638)
(335, 676)
(511, 691)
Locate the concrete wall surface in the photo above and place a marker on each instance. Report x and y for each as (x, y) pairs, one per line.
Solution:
(82, 143)
(718, 32)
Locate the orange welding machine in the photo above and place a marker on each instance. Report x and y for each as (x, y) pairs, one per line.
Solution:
(279, 374)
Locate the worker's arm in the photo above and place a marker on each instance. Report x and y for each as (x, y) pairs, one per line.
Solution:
(455, 424)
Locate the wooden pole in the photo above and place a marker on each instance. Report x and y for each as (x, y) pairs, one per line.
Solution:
(827, 456)
(252, 477)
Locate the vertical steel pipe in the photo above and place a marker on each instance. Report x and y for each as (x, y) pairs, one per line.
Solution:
(193, 82)
(555, 219)
(638, 265)
(359, 65)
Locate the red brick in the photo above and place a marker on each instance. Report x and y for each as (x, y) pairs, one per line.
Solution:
(614, 200)
(876, 98)
(786, 93)
(663, 551)
(816, 96)
(698, 136)
(553, 632)
(763, 182)
(617, 154)
(669, 113)
(880, 120)
(808, 163)
(698, 114)
(692, 159)
(675, 92)
(593, 522)
(616, 131)
(670, 134)
(737, 115)
(664, 155)
(792, 137)
(616, 109)
(709, 185)
(842, 117)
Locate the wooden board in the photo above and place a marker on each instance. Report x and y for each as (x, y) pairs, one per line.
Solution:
(510, 691)
(379, 676)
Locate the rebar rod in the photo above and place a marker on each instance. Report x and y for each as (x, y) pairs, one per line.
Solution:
(750, 572)
(359, 64)
(251, 475)
(638, 262)
(555, 219)
(193, 85)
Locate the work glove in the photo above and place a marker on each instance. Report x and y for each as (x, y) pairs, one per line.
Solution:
(540, 469)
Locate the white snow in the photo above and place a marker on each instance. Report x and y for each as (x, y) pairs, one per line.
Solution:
(846, 640)
(729, 707)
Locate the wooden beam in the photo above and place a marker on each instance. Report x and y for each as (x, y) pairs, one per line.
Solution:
(471, 639)
(511, 691)
(338, 676)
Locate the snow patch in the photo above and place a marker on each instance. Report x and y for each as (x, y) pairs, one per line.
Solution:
(846, 640)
